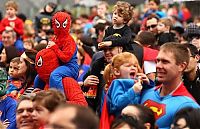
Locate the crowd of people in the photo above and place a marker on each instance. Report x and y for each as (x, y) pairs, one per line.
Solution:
(119, 69)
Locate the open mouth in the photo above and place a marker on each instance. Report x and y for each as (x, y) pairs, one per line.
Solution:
(132, 74)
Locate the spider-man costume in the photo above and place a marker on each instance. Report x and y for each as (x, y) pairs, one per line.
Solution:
(65, 49)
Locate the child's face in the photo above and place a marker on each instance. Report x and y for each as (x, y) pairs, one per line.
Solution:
(161, 27)
(28, 45)
(13, 70)
(41, 113)
(101, 9)
(10, 11)
(153, 5)
(128, 70)
(116, 19)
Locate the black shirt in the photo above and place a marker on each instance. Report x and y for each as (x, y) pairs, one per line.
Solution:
(193, 86)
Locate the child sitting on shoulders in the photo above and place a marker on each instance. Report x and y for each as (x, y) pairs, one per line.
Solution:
(122, 14)
(127, 84)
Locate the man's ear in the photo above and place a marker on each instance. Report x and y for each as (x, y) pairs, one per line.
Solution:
(120, 49)
(116, 72)
(182, 66)
(197, 57)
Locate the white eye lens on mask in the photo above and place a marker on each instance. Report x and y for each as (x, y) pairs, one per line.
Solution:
(57, 24)
(65, 24)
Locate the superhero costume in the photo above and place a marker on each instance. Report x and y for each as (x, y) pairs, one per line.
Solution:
(65, 49)
(165, 107)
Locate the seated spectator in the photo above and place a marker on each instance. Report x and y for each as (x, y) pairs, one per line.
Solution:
(45, 15)
(144, 114)
(9, 39)
(164, 31)
(27, 70)
(127, 122)
(187, 118)
(44, 103)
(7, 104)
(192, 33)
(29, 44)
(14, 81)
(102, 13)
(191, 76)
(73, 116)
(24, 114)
(7, 54)
(11, 21)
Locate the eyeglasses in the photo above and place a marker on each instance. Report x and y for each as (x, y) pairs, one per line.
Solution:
(151, 26)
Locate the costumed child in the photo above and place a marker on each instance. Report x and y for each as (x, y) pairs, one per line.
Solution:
(65, 48)
(8, 105)
(125, 81)
(11, 21)
(14, 82)
(122, 14)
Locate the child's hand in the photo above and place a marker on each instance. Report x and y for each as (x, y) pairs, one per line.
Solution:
(143, 78)
(137, 87)
(104, 44)
(14, 93)
(50, 44)
(8, 28)
(12, 24)
(6, 123)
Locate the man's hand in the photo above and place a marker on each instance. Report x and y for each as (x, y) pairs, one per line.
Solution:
(91, 81)
(104, 44)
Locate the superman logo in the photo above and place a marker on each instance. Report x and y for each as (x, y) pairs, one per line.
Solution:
(158, 109)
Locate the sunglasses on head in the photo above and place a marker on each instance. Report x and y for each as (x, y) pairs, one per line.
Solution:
(151, 26)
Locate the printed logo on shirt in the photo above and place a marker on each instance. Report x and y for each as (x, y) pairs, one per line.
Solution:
(158, 109)
(117, 35)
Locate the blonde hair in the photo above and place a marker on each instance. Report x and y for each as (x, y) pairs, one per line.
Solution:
(116, 62)
(124, 9)
(103, 3)
(12, 4)
(166, 22)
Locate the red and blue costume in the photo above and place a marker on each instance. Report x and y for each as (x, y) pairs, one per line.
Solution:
(65, 50)
(165, 107)
(46, 62)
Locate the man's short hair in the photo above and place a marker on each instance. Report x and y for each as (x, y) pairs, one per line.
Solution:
(14, 34)
(180, 52)
(85, 117)
(193, 49)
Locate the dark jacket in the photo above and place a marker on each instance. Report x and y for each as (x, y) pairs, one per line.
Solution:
(193, 86)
